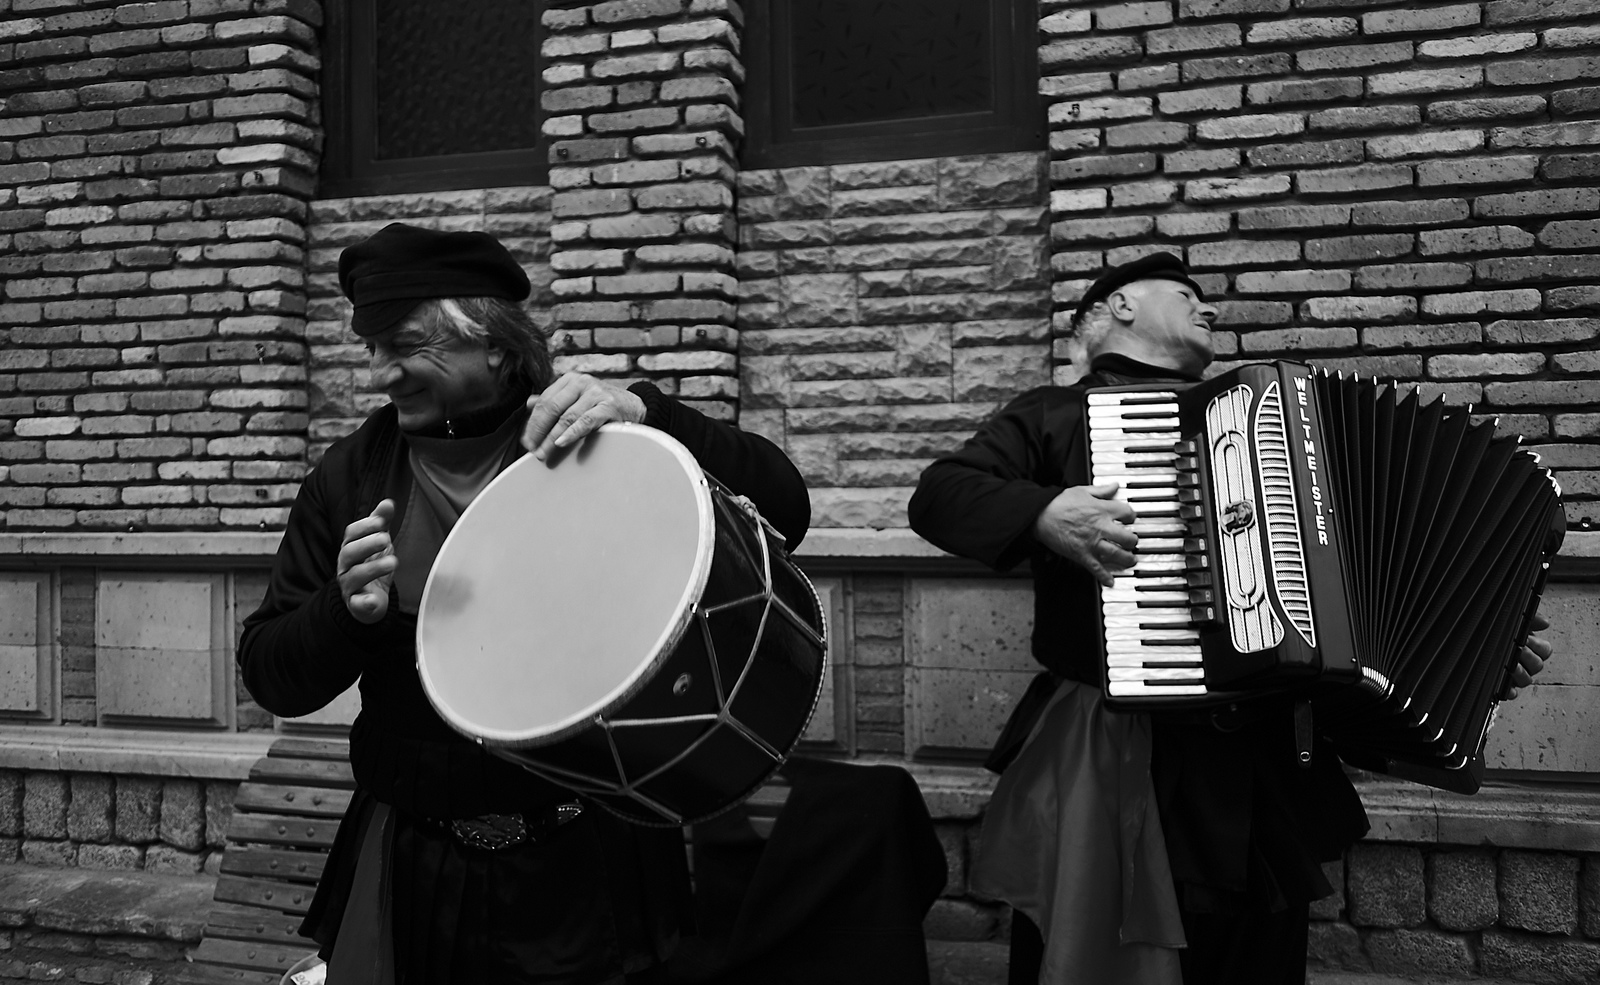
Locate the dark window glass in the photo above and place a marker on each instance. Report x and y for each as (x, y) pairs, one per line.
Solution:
(421, 95)
(867, 62)
(456, 78)
(833, 81)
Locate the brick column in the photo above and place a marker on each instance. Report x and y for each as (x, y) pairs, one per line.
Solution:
(642, 106)
(155, 162)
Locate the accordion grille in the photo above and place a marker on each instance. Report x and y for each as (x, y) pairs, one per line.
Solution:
(1282, 515)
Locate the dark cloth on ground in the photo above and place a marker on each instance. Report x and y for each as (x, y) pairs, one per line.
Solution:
(600, 898)
(1225, 798)
(837, 894)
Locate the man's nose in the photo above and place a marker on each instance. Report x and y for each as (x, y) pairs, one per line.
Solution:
(382, 369)
(1208, 312)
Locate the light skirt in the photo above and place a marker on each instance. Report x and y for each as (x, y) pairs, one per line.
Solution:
(1072, 839)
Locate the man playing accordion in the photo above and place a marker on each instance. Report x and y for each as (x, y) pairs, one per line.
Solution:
(1133, 848)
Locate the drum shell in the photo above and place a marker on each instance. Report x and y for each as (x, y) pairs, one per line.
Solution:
(726, 706)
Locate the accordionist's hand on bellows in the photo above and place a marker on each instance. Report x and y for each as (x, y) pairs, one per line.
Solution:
(1091, 527)
(1531, 659)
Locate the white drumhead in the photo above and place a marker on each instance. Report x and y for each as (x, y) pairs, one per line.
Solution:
(561, 587)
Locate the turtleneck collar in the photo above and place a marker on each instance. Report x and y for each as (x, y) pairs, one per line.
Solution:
(474, 424)
(1117, 364)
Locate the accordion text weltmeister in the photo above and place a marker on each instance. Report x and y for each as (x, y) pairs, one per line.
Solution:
(1377, 556)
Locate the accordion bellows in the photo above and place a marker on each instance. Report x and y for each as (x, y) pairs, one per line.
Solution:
(1337, 538)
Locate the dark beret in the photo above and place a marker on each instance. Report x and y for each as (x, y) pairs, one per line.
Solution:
(1157, 266)
(390, 272)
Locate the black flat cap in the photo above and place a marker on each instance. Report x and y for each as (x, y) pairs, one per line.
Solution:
(1156, 266)
(390, 272)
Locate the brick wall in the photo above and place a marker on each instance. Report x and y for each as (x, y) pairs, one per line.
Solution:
(155, 160)
(1404, 190)
(885, 309)
(643, 103)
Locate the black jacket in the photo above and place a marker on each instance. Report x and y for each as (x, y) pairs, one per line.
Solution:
(302, 648)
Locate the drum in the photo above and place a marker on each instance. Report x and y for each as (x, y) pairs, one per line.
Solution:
(620, 624)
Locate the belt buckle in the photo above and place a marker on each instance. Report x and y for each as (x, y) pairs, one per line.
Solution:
(491, 832)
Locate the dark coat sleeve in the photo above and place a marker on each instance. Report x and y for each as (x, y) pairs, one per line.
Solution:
(748, 464)
(302, 648)
(981, 500)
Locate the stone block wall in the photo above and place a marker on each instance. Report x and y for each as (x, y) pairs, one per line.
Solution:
(1458, 912)
(885, 310)
(1400, 189)
(155, 162)
(339, 394)
(166, 825)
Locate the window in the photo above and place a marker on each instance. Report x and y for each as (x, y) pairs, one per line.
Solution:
(426, 96)
(835, 81)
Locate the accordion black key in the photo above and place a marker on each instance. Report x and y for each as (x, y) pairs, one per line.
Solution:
(1334, 538)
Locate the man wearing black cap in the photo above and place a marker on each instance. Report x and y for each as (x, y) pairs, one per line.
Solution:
(452, 865)
(1133, 848)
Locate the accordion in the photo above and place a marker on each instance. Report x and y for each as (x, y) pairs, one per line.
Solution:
(1333, 538)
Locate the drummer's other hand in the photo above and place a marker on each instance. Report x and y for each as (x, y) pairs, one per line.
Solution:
(367, 563)
(1091, 526)
(573, 406)
(1531, 658)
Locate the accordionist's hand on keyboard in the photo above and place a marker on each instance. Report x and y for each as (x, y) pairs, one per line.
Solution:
(1532, 658)
(1091, 527)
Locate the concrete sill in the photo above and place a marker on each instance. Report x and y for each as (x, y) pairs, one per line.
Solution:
(133, 752)
(104, 902)
(1504, 814)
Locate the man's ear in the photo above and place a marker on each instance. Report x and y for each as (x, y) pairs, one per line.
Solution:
(1122, 304)
(495, 358)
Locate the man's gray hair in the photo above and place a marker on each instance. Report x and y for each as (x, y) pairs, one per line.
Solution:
(499, 324)
(1088, 335)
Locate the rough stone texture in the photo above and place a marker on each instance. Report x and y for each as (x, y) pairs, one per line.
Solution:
(11, 802)
(1535, 958)
(138, 811)
(1539, 891)
(1461, 890)
(1336, 945)
(219, 809)
(1419, 951)
(183, 814)
(44, 805)
(167, 860)
(1589, 896)
(1386, 886)
(917, 319)
(89, 816)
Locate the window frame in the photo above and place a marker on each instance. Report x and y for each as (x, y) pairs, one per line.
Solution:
(349, 113)
(1017, 123)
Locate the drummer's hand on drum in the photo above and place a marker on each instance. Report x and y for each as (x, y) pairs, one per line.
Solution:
(573, 406)
(1531, 658)
(1089, 525)
(367, 563)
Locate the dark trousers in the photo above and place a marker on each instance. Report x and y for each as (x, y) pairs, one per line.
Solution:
(1250, 947)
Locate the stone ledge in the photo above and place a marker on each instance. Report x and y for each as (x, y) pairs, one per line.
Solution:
(101, 902)
(1580, 553)
(1502, 814)
(222, 544)
(141, 752)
